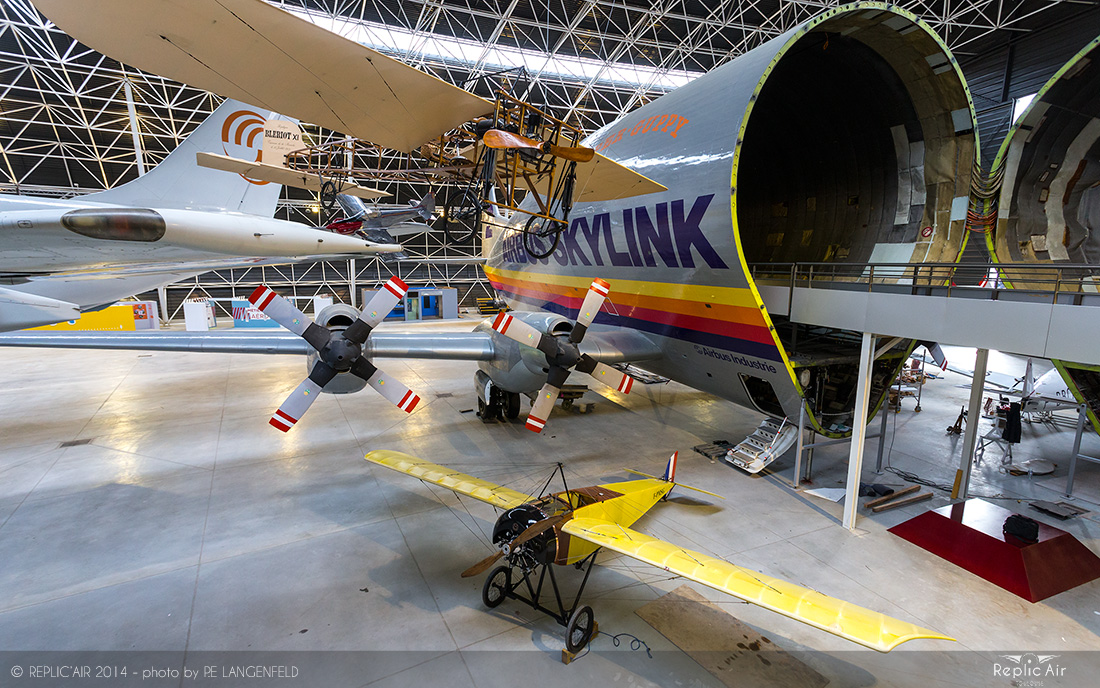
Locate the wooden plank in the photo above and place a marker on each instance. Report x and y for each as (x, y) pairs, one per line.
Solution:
(730, 650)
(894, 495)
(902, 502)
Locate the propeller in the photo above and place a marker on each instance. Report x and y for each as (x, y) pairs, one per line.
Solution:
(498, 138)
(337, 352)
(532, 531)
(564, 355)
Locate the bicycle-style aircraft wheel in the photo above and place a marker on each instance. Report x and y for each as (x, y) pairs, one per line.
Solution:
(462, 216)
(541, 236)
(496, 586)
(579, 630)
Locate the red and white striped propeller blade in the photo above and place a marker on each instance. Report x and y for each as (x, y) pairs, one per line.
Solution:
(302, 397)
(517, 330)
(540, 410)
(398, 394)
(593, 301)
(280, 310)
(383, 301)
(611, 377)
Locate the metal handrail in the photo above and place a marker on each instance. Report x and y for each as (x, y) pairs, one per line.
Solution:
(937, 279)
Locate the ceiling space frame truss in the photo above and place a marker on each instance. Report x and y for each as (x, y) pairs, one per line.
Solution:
(64, 125)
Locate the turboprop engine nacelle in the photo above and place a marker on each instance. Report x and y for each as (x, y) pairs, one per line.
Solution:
(336, 318)
(518, 368)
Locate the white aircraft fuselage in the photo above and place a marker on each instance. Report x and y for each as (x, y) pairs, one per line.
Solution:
(45, 236)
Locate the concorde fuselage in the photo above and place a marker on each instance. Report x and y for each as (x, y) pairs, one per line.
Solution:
(40, 235)
(673, 259)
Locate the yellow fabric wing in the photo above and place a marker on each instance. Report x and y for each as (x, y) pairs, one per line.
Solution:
(872, 629)
(479, 489)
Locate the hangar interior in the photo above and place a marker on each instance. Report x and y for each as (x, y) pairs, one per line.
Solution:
(147, 506)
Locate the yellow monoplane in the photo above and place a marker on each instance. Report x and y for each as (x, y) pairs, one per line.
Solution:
(568, 527)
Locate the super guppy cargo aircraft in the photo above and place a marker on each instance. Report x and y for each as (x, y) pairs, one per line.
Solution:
(850, 139)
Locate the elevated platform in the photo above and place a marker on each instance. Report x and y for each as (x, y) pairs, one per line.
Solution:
(969, 534)
(1060, 325)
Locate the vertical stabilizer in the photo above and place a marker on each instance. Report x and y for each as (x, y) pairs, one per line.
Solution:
(234, 129)
(670, 469)
(1029, 381)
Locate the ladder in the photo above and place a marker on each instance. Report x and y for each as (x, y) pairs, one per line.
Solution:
(769, 441)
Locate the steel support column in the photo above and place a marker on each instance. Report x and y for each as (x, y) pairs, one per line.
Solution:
(973, 419)
(859, 430)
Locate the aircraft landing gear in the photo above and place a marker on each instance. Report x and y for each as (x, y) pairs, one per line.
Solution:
(579, 620)
(493, 403)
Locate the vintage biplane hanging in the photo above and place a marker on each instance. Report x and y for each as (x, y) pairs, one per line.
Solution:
(532, 164)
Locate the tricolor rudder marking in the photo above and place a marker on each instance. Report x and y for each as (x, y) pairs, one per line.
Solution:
(670, 470)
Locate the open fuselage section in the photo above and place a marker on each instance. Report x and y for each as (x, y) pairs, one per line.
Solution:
(850, 139)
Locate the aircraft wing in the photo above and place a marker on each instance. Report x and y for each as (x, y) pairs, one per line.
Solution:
(470, 346)
(608, 348)
(284, 175)
(262, 55)
(864, 626)
(482, 490)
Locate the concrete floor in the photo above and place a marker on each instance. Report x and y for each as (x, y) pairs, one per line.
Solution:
(186, 526)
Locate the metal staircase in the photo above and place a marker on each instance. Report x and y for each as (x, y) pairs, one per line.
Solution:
(764, 445)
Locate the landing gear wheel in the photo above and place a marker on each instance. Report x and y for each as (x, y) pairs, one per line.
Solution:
(540, 236)
(496, 586)
(511, 405)
(579, 629)
(329, 191)
(462, 216)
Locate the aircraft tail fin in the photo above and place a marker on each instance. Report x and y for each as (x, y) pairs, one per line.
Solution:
(426, 207)
(937, 353)
(234, 129)
(669, 476)
(1029, 381)
(670, 469)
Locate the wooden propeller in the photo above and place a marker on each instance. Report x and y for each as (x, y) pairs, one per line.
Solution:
(498, 138)
(533, 530)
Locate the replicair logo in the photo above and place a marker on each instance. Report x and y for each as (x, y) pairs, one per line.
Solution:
(1028, 670)
(244, 129)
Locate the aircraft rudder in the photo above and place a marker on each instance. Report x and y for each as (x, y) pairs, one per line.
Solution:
(670, 469)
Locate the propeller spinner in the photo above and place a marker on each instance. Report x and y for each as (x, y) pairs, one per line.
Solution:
(337, 352)
(563, 355)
